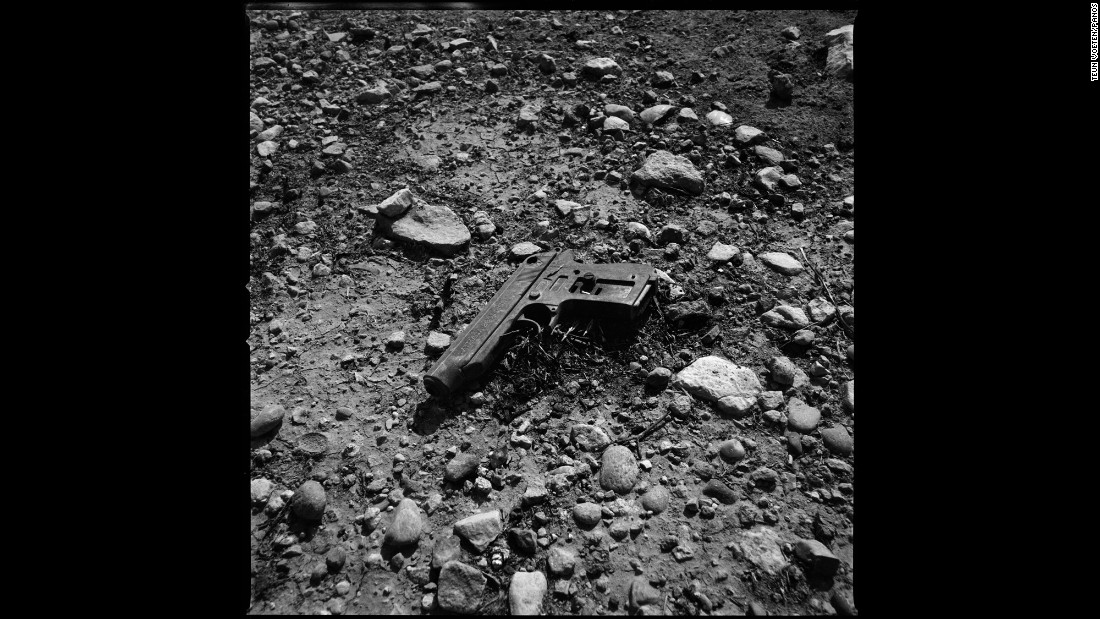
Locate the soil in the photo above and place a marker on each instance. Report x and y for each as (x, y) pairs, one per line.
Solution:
(324, 302)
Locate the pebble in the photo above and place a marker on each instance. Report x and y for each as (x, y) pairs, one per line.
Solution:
(837, 440)
(761, 547)
(657, 113)
(265, 149)
(596, 68)
(663, 79)
(308, 502)
(618, 469)
(397, 204)
(656, 499)
(619, 111)
(480, 529)
(335, 559)
(437, 343)
(720, 491)
(820, 310)
(664, 170)
(781, 262)
(407, 525)
(718, 118)
(448, 549)
(804, 337)
(587, 515)
(589, 438)
(344, 413)
(659, 378)
(261, 490)
(722, 253)
(460, 588)
(642, 593)
(526, 592)
(785, 372)
(821, 561)
(561, 561)
(269, 420)
(782, 87)
(746, 135)
(802, 417)
(523, 540)
(461, 467)
(848, 389)
(786, 317)
(712, 378)
(731, 450)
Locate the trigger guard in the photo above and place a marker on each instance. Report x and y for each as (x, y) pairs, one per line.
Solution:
(528, 323)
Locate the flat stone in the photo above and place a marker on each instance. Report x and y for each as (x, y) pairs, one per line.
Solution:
(423, 71)
(712, 378)
(436, 227)
(657, 113)
(526, 592)
(587, 515)
(614, 123)
(722, 253)
(561, 561)
(761, 547)
(535, 493)
(736, 406)
(619, 111)
(596, 68)
(618, 469)
(269, 420)
(461, 467)
(656, 499)
(667, 171)
(781, 262)
(480, 529)
(396, 205)
(522, 250)
(407, 525)
(785, 372)
(718, 118)
(589, 437)
(745, 135)
(460, 588)
(374, 95)
(840, 60)
(308, 502)
(786, 317)
(266, 148)
(769, 155)
(437, 343)
(820, 310)
(837, 440)
(771, 400)
(687, 114)
(428, 89)
(848, 393)
(802, 417)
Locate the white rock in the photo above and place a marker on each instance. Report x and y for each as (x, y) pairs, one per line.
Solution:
(713, 378)
(526, 592)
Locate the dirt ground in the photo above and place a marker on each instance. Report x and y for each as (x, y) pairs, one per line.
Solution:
(326, 297)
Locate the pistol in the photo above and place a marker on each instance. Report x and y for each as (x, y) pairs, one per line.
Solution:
(545, 288)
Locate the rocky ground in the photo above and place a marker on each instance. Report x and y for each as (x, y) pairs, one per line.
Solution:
(699, 463)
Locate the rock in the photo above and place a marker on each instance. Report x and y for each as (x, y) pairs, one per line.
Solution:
(746, 135)
(619, 111)
(842, 603)
(528, 117)
(672, 233)
(781, 262)
(635, 230)
(642, 593)
(587, 515)
(395, 340)
(760, 546)
(712, 378)
(261, 490)
(526, 592)
(782, 87)
(535, 493)
(374, 95)
(731, 450)
(270, 134)
(785, 372)
(344, 413)
(663, 79)
(736, 406)
(848, 391)
(764, 477)
(658, 378)
(820, 310)
(791, 32)
(687, 115)
(437, 343)
(804, 337)
(523, 540)
(656, 499)
(396, 205)
(718, 118)
(335, 559)
(756, 609)
(667, 171)
(407, 525)
(618, 469)
(522, 250)
(614, 123)
(771, 400)
(802, 417)
(769, 178)
(657, 113)
(721, 491)
(423, 71)
(561, 561)
(491, 86)
(447, 549)
(460, 588)
(480, 529)
(837, 440)
(769, 155)
(596, 68)
(266, 148)
(589, 438)
(269, 420)
(821, 561)
(461, 467)
(428, 89)
(308, 502)
(437, 227)
(841, 57)
(786, 317)
(721, 253)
